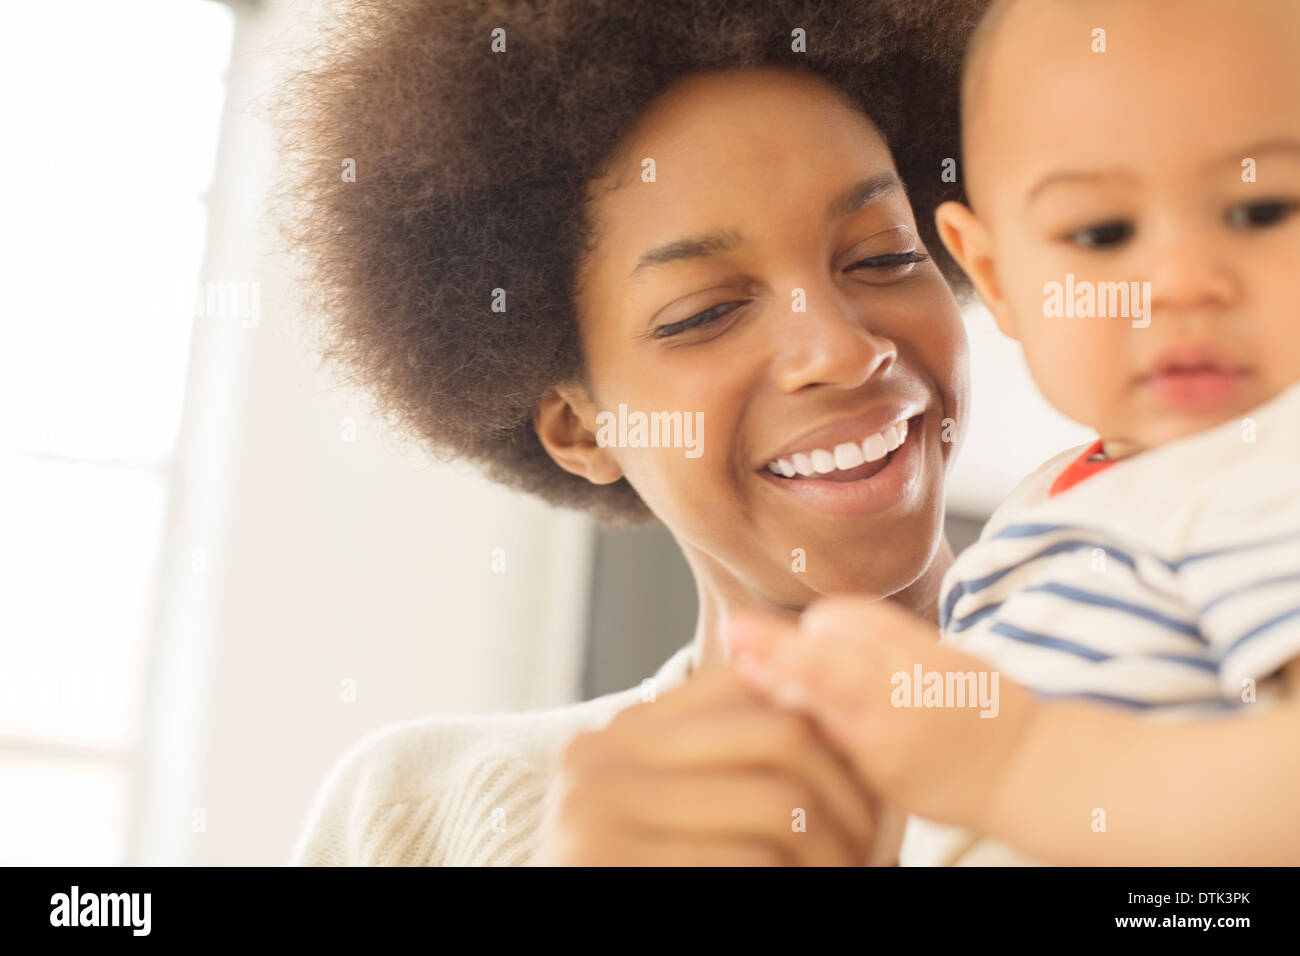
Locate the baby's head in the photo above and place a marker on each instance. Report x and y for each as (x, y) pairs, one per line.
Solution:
(1153, 144)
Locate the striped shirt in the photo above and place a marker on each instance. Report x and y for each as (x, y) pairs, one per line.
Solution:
(1168, 582)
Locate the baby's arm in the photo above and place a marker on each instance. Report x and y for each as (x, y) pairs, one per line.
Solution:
(1210, 791)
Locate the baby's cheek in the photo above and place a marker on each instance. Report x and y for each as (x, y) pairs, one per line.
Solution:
(1074, 366)
(1279, 352)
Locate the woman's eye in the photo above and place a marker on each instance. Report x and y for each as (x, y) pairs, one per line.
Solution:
(892, 265)
(1261, 214)
(1104, 235)
(700, 318)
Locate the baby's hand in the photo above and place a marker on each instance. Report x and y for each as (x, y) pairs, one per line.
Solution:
(852, 664)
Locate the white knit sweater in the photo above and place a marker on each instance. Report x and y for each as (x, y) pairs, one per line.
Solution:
(458, 791)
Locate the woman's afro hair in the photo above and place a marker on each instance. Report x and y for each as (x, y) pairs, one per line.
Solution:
(422, 170)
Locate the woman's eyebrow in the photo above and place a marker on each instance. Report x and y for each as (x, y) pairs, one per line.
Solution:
(695, 247)
(863, 193)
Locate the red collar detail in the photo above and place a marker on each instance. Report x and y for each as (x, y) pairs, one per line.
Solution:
(1085, 466)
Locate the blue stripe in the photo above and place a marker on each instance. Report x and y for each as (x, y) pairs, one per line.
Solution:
(1200, 663)
(1235, 549)
(1257, 631)
(1033, 530)
(1103, 600)
(974, 586)
(1246, 588)
(1091, 653)
(1046, 640)
(973, 618)
(1217, 704)
(1103, 698)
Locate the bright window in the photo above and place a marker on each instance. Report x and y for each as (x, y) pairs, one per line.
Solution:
(111, 114)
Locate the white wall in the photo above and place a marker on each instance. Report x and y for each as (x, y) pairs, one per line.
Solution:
(350, 564)
(1012, 428)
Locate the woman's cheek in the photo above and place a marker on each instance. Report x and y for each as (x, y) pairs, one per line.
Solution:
(676, 483)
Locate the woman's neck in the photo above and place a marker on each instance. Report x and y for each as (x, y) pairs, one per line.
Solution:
(719, 593)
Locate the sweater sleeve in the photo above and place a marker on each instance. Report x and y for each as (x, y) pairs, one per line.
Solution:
(324, 839)
(452, 790)
(435, 795)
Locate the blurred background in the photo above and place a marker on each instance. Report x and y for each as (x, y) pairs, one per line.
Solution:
(217, 570)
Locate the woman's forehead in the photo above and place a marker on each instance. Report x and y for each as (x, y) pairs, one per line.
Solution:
(738, 145)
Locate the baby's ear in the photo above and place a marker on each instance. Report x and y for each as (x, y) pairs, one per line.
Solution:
(968, 242)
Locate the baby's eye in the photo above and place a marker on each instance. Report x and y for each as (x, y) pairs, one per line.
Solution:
(1261, 214)
(1105, 235)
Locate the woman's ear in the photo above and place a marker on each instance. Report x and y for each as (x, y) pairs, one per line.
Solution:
(564, 420)
(968, 242)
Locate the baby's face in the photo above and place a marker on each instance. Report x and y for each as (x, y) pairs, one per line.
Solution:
(1172, 158)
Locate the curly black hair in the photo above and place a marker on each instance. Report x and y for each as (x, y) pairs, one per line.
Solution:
(423, 170)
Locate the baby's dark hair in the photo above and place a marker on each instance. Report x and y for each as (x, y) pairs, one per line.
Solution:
(423, 171)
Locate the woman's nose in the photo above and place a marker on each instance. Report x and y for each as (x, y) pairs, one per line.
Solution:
(829, 344)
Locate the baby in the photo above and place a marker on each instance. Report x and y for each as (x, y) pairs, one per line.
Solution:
(1134, 177)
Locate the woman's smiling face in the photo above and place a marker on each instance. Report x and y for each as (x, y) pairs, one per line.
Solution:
(770, 282)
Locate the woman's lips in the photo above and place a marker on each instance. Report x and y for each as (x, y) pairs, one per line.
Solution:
(870, 488)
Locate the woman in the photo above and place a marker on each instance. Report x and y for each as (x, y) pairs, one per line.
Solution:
(561, 211)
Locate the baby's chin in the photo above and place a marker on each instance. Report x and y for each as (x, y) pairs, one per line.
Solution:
(1153, 431)
(1147, 418)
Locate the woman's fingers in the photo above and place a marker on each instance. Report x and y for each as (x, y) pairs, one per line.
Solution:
(784, 818)
(838, 668)
(758, 736)
(718, 720)
(710, 762)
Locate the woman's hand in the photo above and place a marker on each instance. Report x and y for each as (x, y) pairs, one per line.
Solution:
(708, 774)
(941, 746)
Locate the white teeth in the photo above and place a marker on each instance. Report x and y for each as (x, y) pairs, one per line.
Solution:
(848, 456)
(874, 448)
(845, 456)
(823, 461)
